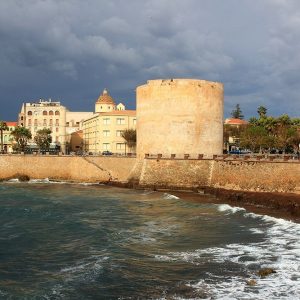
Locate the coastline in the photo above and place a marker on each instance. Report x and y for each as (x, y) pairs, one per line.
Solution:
(278, 205)
(274, 204)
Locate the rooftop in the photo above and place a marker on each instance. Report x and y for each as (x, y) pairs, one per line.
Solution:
(119, 113)
(234, 121)
(9, 123)
(105, 98)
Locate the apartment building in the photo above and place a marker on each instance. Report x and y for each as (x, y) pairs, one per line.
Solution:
(102, 132)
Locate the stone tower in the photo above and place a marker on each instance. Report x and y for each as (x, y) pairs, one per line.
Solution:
(180, 116)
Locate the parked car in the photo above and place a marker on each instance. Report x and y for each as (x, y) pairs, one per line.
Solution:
(239, 152)
(106, 152)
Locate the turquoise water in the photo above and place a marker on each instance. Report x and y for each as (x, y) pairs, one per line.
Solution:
(62, 241)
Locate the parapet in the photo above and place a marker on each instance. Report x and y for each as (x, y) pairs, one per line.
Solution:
(182, 81)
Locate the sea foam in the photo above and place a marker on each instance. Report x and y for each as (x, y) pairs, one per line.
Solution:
(279, 250)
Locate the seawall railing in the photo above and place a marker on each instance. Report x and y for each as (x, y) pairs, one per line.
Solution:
(227, 157)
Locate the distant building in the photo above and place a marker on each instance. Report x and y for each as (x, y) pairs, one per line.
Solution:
(45, 114)
(51, 114)
(7, 137)
(232, 130)
(75, 143)
(102, 132)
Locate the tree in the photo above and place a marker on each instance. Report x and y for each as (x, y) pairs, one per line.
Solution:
(262, 111)
(255, 138)
(3, 127)
(129, 135)
(237, 113)
(21, 135)
(43, 139)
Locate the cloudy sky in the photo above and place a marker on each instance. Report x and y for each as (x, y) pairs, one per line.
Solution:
(70, 50)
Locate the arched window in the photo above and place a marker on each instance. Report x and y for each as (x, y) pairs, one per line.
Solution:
(50, 113)
(29, 113)
(44, 113)
(57, 113)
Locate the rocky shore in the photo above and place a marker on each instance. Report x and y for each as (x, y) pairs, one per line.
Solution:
(279, 205)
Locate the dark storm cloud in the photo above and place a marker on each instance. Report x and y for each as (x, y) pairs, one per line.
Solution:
(71, 50)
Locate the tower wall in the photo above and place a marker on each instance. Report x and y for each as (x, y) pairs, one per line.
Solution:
(180, 116)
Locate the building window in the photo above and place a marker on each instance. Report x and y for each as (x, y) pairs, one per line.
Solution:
(77, 123)
(29, 113)
(106, 121)
(35, 122)
(119, 132)
(50, 113)
(57, 122)
(57, 113)
(106, 133)
(22, 118)
(120, 146)
(44, 113)
(45, 122)
(29, 122)
(57, 129)
(120, 121)
(106, 146)
(50, 122)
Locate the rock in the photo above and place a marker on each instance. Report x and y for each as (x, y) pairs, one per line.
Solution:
(265, 272)
(251, 282)
(23, 178)
(184, 291)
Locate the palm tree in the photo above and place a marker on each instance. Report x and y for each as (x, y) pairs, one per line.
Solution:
(3, 127)
(21, 136)
(129, 135)
(262, 111)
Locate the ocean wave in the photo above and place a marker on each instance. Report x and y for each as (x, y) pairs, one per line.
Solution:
(230, 209)
(279, 250)
(169, 196)
(84, 270)
(50, 181)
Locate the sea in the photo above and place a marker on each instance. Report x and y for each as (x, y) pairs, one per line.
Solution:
(84, 241)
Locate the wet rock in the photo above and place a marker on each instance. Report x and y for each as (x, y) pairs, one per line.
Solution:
(265, 272)
(23, 178)
(184, 291)
(251, 282)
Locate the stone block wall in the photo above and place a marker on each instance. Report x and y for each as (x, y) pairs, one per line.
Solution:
(261, 176)
(74, 168)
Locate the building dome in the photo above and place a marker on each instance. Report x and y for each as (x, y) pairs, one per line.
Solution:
(105, 98)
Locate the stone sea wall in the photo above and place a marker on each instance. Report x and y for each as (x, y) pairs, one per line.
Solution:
(231, 174)
(73, 168)
(246, 175)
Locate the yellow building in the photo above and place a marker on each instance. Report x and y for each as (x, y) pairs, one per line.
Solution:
(102, 132)
(51, 114)
(7, 137)
(45, 114)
